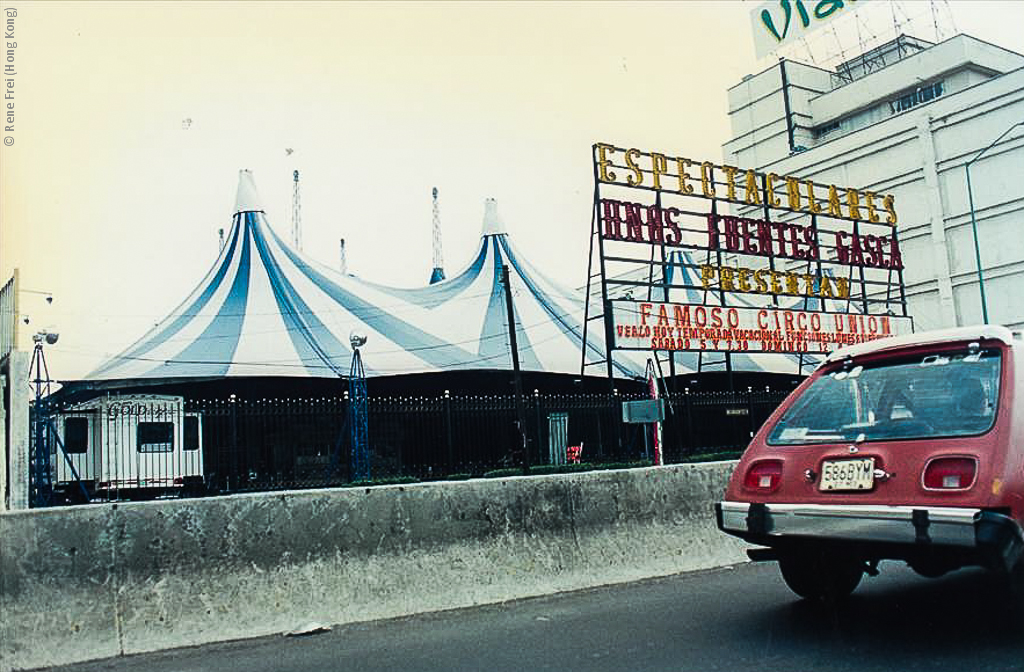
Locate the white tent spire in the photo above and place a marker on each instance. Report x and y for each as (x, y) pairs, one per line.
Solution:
(247, 199)
(493, 223)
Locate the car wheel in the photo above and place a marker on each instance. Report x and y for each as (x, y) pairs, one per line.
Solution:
(1013, 584)
(820, 576)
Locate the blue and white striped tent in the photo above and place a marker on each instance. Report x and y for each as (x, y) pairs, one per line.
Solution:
(265, 309)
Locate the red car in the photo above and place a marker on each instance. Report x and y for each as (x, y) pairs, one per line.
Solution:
(908, 448)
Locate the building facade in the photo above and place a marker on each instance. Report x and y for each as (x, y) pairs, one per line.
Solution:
(906, 119)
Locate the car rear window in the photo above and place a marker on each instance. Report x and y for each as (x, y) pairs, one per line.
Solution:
(950, 394)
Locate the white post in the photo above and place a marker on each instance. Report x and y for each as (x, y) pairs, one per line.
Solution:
(4, 460)
(17, 431)
(652, 386)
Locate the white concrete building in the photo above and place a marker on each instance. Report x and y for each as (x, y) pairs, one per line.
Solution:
(904, 119)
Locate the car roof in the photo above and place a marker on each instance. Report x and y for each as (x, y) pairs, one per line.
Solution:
(979, 332)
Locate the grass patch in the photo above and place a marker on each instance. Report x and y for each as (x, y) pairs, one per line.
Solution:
(393, 480)
(547, 469)
(713, 457)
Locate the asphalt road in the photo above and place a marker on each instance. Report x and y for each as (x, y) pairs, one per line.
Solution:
(741, 618)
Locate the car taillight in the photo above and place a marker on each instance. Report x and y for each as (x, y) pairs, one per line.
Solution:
(764, 476)
(950, 473)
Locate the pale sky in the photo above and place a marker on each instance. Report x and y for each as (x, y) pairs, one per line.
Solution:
(111, 201)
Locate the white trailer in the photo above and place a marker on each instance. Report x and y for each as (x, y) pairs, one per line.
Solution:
(129, 447)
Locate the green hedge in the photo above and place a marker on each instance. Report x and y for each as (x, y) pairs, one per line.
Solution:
(713, 457)
(544, 469)
(394, 480)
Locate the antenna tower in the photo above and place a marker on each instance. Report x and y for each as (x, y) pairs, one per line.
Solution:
(342, 258)
(438, 273)
(296, 214)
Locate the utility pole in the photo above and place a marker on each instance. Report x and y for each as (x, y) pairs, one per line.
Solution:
(516, 375)
(974, 222)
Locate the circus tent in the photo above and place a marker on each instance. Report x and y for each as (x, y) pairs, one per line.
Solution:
(265, 309)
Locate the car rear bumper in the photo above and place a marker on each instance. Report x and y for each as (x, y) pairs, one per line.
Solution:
(989, 538)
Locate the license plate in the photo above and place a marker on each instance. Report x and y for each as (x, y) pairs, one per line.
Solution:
(856, 474)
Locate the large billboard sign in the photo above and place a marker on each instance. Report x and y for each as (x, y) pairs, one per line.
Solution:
(707, 257)
(777, 23)
(642, 325)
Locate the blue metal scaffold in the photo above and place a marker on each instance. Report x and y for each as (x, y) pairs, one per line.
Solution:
(46, 442)
(40, 474)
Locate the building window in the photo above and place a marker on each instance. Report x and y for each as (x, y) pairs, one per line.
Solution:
(191, 438)
(155, 437)
(822, 131)
(76, 435)
(915, 97)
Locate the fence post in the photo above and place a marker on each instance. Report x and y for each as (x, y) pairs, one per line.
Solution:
(540, 435)
(617, 419)
(689, 421)
(750, 411)
(347, 440)
(450, 458)
(233, 401)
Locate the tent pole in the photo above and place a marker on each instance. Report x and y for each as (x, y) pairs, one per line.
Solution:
(516, 375)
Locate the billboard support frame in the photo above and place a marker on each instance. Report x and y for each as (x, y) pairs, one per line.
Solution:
(806, 274)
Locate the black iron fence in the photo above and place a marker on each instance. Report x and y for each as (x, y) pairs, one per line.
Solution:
(147, 446)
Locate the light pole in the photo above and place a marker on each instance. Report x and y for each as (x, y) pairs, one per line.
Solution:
(974, 223)
(41, 480)
(358, 412)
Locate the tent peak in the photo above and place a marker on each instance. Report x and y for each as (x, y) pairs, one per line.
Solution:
(493, 224)
(247, 200)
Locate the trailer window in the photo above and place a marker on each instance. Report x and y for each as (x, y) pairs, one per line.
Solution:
(76, 435)
(155, 437)
(191, 433)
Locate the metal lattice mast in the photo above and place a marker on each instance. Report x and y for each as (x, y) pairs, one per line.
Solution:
(358, 416)
(437, 275)
(296, 213)
(40, 475)
(342, 258)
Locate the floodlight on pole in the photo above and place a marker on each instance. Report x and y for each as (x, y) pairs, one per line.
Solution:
(49, 337)
(974, 222)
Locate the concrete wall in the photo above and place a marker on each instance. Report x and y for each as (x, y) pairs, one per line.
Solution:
(107, 580)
